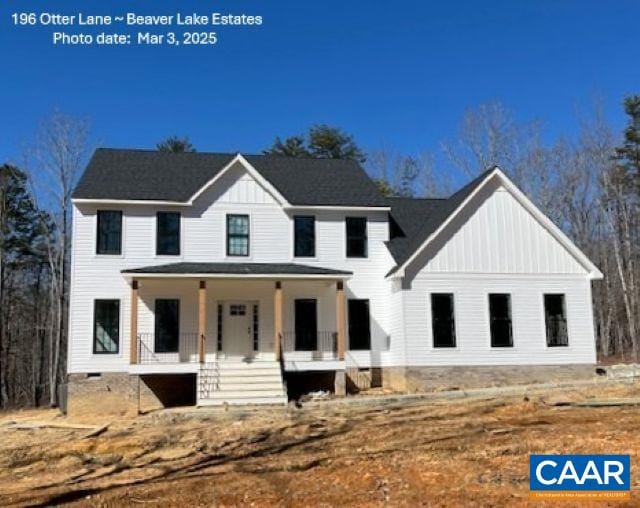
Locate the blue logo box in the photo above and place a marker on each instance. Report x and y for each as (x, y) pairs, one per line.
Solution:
(579, 472)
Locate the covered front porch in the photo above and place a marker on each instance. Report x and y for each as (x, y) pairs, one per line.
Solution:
(188, 315)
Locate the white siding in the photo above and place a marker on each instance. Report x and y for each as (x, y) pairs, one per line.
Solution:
(497, 246)
(472, 320)
(204, 239)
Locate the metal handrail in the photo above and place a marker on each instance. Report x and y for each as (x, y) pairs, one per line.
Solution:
(320, 342)
(187, 351)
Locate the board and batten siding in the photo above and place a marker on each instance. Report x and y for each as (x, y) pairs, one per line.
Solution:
(497, 246)
(203, 238)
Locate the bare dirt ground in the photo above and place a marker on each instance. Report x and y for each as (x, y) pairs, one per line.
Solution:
(464, 452)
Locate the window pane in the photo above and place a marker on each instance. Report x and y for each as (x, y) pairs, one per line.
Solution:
(237, 235)
(356, 236)
(109, 235)
(168, 233)
(238, 225)
(238, 246)
(304, 236)
(555, 320)
(167, 326)
(442, 317)
(500, 320)
(106, 331)
(359, 326)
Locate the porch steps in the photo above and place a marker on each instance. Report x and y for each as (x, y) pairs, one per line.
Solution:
(238, 382)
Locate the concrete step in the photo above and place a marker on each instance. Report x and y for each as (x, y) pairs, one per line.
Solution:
(247, 373)
(248, 366)
(254, 392)
(250, 387)
(245, 401)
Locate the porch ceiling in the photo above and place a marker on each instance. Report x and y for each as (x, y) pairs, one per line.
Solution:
(238, 270)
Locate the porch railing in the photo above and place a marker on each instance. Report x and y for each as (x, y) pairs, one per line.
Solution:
(321, 344)
(165, 351)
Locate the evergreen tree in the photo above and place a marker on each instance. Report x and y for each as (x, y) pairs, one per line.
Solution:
(21, 223)
(321, 142)
(627, 157)
(174, 144)
(290, 147)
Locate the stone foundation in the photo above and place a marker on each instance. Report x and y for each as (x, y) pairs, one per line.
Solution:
(117, 393)
(433, 379)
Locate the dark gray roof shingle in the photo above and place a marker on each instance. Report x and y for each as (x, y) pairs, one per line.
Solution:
(236, 269)
(160, 176)
(417, 219)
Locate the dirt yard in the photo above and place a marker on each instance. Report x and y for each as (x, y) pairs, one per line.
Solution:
(463, 452)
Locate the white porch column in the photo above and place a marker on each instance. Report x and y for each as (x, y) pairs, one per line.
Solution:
(340, 319)
(202, 319)
(277, 320)
(133, 354)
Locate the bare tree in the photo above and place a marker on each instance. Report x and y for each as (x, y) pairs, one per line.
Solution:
(407, 175)
(55, 160)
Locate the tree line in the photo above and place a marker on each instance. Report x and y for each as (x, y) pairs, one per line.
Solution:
(588, 185)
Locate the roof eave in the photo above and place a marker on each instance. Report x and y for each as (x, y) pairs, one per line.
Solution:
(268, 276)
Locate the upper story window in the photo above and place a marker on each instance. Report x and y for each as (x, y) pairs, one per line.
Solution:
(356, 237)
(305, 236)
(237, 235)
(555, 317)
(168, 234)
(443, 320)
(109, 235)
(500, 320)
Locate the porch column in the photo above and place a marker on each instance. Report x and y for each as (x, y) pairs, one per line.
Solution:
(277, 320)
(202, 319)
(340, 319)
(133, 354)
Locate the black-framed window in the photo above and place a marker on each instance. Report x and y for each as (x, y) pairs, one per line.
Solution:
(237, 235)
(359, 325)
(306, 323)
(500, 320)
(106, 326)
(443, 320)
(168, 233)
(256, 328)
(304, 235)
(555, 317)
(109, 232)
(167, 321)
(356, 237)
(219, 330)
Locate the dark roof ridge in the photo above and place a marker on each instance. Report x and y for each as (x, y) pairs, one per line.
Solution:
(145, 174)
(422, 198)
(244, 154)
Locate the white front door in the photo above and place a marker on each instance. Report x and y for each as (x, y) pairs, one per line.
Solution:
(237, 332)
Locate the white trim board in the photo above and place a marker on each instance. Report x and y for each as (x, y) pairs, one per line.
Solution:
(594, 272)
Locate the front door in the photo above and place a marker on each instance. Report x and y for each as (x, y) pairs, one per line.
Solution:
(237, 329)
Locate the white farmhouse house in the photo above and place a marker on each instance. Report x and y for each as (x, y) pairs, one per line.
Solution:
(208, 278)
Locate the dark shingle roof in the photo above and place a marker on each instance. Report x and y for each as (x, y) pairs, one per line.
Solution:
(236, 269)
(417, 219)
(160, 176)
